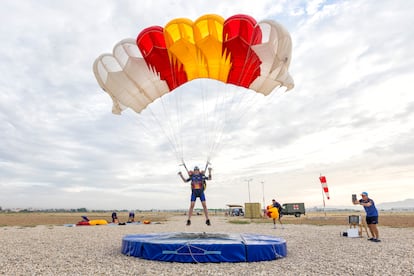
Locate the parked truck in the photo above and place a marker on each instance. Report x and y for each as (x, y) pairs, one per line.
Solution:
(295, 209)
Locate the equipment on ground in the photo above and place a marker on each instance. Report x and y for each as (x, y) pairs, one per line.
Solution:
(356, 225)
(204, 247)
(92, 222)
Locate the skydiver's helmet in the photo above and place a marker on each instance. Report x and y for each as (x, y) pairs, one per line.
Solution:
(196, 168)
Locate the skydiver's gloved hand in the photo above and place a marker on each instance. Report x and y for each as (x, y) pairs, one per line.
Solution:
(180, 173)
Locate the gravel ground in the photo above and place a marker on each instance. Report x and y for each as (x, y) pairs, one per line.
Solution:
(95, 250)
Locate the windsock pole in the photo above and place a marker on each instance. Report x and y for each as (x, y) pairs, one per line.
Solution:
(323, 198)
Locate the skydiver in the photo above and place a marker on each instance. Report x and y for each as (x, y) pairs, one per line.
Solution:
(198, 181)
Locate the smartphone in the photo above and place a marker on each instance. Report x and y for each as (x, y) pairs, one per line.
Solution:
(354, 198)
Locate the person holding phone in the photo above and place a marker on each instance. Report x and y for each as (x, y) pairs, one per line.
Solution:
(371, 215)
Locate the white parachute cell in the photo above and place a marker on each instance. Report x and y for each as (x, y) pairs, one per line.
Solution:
(275, 53)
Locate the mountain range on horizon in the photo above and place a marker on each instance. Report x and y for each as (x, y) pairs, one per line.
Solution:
(403, 204)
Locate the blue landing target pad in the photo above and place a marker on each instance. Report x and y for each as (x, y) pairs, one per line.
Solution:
(204, 247)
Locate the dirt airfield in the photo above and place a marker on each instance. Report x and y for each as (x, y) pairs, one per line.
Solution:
(30, 219)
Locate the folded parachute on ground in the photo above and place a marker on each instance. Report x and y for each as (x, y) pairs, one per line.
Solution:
(92, 222)
(272, 212)
(237, 51)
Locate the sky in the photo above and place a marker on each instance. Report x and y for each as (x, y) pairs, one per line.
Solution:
(349, 117)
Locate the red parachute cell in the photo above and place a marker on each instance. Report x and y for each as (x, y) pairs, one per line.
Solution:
(152, 45)
(239, 35)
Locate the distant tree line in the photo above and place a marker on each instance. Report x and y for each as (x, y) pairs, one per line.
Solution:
(85, 210)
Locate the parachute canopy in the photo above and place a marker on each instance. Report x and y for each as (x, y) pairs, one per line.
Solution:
(236, 50)
(272, 212)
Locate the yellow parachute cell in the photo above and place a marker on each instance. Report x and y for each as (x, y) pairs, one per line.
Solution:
(98, 222)
(272, 212)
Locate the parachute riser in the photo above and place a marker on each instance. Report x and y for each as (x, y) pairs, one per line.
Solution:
(183, 164)
(188, 172)
(207, 163)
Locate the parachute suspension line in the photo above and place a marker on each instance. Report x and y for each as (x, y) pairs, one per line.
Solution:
(245, 103)
(166, 115)
(207, 116)
(207, 120)
(277, 93)
(250, 100)
(228, 105)
(185, 167)
(150, 130)
(179, 120)
(238, 103)
(178, 96)
(207, 163)
(173, 118)
(222, 98)
(214, 112)
(222, 95)
(215, 119)
(222, 105)
(166, 130)
(174, 138)
(169, 129)
(205, 113)
(225, 103)
(256, 103)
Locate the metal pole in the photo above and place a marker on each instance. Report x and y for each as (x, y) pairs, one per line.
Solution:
(264, 209)
(248, 188)
(323, 198)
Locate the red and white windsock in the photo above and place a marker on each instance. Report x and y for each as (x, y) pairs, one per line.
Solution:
(324, 185)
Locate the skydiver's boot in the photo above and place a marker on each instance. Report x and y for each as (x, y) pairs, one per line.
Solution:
(208, 222)
(188, 222)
